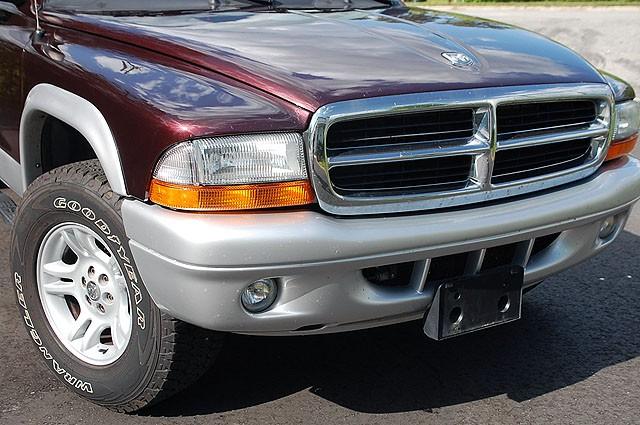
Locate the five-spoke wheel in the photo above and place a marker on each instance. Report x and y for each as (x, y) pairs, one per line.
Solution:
(84, 294)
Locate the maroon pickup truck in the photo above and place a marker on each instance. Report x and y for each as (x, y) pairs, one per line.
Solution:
(188, 169)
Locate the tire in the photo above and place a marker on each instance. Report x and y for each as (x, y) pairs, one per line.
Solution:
(162, 355)
(532, 287)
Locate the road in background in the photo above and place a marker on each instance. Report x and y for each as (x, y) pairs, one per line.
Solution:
(573, 358)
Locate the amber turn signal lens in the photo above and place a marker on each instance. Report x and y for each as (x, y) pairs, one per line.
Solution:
(621, 147)
(231, 198)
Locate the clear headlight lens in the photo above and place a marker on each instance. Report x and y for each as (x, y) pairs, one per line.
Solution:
(625, 135)
(627, 120)
(229, 173)
(230, 160)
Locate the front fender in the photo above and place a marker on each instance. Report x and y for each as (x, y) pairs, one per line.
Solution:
(132, 104)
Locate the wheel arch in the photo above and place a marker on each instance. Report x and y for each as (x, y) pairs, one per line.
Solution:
(46, 100)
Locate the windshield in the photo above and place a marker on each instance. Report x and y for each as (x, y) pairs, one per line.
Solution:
(181, 6)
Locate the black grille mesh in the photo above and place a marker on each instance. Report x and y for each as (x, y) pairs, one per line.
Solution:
(398, 130)
(424, 175)
(513, 120)
(532, 161)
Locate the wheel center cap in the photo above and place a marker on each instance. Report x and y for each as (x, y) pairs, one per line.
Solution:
(93, 291)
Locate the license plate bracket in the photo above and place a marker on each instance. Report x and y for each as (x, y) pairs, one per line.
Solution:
(472, 303)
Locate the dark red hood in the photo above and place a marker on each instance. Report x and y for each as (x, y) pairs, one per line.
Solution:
(311, 59)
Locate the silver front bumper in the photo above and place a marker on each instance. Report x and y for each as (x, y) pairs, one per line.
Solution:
(196, 265)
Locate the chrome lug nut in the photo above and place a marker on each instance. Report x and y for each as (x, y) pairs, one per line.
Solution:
(101, 308)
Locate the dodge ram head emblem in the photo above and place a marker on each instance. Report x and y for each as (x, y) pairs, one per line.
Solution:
(458, 59)
(93, 291)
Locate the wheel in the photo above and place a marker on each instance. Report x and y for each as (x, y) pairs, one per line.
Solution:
(84, 304)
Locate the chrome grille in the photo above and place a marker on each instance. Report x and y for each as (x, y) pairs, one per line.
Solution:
(425, 151)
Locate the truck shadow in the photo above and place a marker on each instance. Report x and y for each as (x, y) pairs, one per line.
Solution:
(573, 326)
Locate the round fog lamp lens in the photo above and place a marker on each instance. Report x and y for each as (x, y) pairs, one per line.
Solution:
(259, 295)
(608, 227)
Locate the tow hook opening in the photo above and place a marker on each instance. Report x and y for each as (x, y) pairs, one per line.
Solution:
(504, 303)
(455, 317)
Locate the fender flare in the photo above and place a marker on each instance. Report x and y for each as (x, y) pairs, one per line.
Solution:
(77, 112)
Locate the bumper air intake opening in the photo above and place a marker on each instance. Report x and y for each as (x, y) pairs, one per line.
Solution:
(502, 255)
(393, 275)
(447, 267)
(543, 243)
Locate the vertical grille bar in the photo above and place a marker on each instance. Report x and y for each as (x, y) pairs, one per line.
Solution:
(420, 273)
(523, 253)
(474, 261)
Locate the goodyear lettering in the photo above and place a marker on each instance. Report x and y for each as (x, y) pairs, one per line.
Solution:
(130, 272)
(137, 294)
(141, 321)
(60, 203)
(74, 206)
(89, 214)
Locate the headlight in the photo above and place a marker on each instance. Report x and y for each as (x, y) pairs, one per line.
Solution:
(627, 120)
(233, 173)
(625, 134)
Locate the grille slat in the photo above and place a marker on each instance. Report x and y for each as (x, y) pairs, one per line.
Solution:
(388, 175)
(555, 153)
(405, 183)
(421, 187)
(541, 125)
(396, 136)
(563, 127)
(401, 128)
(406, 142)
(582, 110)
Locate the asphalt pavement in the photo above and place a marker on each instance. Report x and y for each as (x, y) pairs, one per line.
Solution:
(573, 358)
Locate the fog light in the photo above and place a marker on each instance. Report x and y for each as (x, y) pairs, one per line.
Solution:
(607, 227)
(259, 295)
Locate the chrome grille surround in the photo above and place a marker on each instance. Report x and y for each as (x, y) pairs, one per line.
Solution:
(482, 145)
